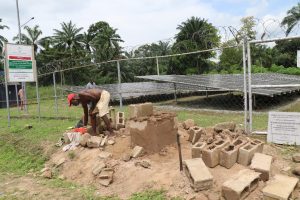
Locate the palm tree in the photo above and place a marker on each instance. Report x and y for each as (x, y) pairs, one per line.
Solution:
(2, 38)
(105, 41)
(292, 18)
(68, 38)
(32, 37)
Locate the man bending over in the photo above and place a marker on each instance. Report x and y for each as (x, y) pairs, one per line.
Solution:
(99, 100)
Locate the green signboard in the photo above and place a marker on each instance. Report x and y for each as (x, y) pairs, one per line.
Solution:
(20, 64)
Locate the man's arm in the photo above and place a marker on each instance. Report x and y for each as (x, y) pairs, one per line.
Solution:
(85, 111)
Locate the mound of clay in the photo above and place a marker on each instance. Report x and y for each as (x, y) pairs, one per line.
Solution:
(154, 132)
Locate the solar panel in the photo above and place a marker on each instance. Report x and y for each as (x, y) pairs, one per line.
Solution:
(140, 89)
(233, 82)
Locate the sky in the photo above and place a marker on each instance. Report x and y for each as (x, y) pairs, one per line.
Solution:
(140, 21)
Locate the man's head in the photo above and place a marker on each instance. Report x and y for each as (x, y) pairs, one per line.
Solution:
(73, 99)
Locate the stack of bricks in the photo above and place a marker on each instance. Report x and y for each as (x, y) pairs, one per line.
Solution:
(224, 152)
(120, 120)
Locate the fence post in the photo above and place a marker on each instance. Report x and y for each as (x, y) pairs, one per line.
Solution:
(119, 85)
(38, 98)
(17, 98)
(249, 86)
(6, 92)
(245, 85)
(157, 66)
(61, 84)
(55, 96)
(175, 92)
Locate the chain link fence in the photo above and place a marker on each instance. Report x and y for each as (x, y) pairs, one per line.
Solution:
(125, 79)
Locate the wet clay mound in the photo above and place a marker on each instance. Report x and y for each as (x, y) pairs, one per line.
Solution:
(153, 133)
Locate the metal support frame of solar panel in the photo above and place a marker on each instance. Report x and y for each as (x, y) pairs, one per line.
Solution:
(233, 82)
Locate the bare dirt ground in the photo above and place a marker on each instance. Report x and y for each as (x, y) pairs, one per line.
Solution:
(164, 173)
(29, 187)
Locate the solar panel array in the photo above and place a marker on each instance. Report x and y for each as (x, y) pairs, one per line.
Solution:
(233, 82)
(140, 89)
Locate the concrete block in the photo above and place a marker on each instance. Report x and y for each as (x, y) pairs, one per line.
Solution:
(120, 121)
(211, 153)
(259, 144)
(197, 134)
(281, 187)
(192, 130)
(225, 125)
(229, 154)
(262, 163)
(240, 185)
(137, 151)
(239, 142)
(197, 149)
(140, 110)
(94, 142)
(246, 154)
(199, 176)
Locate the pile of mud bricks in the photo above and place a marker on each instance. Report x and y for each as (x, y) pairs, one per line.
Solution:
(227, 152)
(151, 130)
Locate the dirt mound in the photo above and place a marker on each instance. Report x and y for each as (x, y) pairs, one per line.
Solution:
(163, 172)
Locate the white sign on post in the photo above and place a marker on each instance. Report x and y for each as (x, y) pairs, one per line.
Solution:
(284, 128)
(20, 66)
(298, 58)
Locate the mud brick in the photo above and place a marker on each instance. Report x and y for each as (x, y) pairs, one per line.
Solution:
(211, 153)
(84, 139)
(281, 187)
(120, 123)
(225, 125)
(187, 124)
(241, 185)
(262, 163)
(140, 110)
(246, 154)
(94, 142)
(137, 151)
(199, 176)
(197, 149)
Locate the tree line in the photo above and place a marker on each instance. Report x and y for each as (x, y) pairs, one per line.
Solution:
(70, 46)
